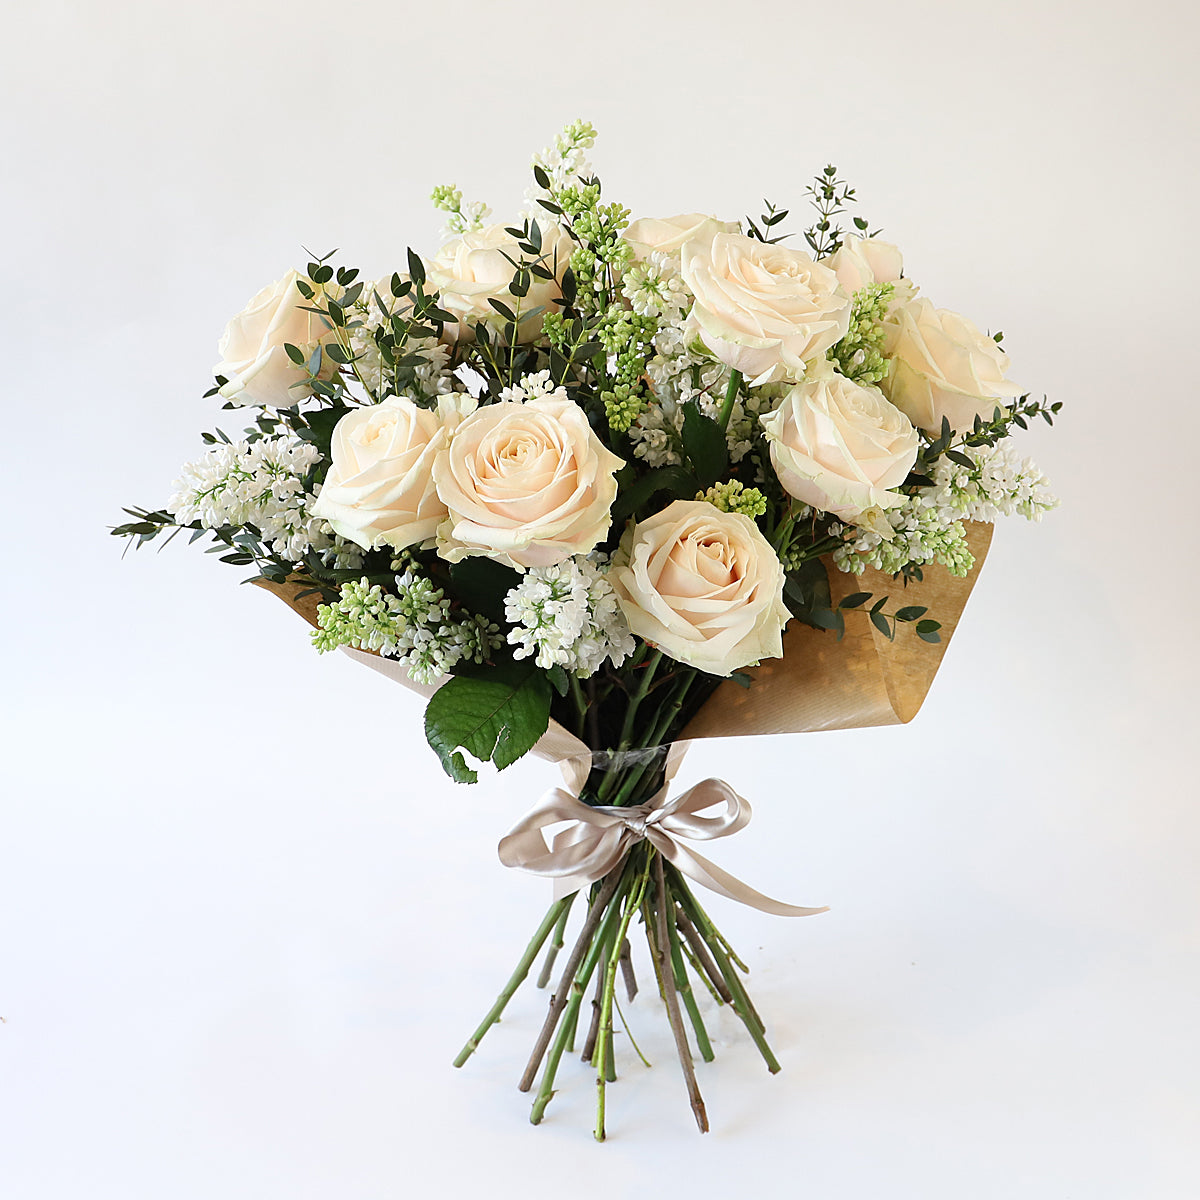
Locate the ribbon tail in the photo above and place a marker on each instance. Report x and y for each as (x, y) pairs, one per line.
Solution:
(709, 875)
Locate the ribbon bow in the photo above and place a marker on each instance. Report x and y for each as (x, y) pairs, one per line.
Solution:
(599, 837)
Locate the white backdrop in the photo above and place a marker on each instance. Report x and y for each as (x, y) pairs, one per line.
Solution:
(244, 921)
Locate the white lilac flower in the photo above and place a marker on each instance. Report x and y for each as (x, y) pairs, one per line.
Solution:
(1001, 484)
(259, 483)
(463, 218)
(654, 288)
(538, 386)
(564, 161)
(921, 532)
(568, 616)
(414, 625)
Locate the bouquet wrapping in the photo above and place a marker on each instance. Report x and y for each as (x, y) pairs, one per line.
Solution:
(600, 488)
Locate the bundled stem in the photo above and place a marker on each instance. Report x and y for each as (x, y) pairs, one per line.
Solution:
(681, 939)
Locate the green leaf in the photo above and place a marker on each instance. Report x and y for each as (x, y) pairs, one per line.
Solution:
(741, 678)
(911, 613)
(482, 584)
(416, 268)
(806, 593)
(294, 353)
(704, 443)
(677, 480)
(882, 624)
(502, 308)
(956, 456)
(496, 715)
(855, 600)
(558, 678)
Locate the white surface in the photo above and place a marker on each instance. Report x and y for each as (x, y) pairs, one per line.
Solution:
(222, 976)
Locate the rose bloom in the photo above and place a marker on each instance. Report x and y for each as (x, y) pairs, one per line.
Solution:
(472, 269)
(840, 447)
(862, 261)
(763, 310)
(527, 484)
(943, 366)
(668, 234)
(379, 489)
(702, 585)
(252, 355)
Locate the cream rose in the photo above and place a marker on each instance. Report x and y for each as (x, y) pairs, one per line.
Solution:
(668, 234)
(379, 489)
(840, 447)
(763, 310)
(703, 585)
(252, 355)
(943, 366)
(473, 269)
(528, 484)
(862, 261)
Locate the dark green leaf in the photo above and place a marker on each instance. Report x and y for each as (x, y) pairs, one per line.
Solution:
(558, 678)
(495, 716)
(680, 482)
(482, 584)
(855, 600)
(704, 442)
(911, 613)
(882, 623)
(416, 268)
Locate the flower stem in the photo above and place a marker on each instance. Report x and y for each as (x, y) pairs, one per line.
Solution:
(559, 1000)
(558, 912)
(545, 1092)
(740, 1000)
(735, 382)
(604, 1052)
(703, 957)
(556, 942)
(658, 947)
(684, 988)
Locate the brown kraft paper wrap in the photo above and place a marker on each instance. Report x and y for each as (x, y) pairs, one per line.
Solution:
(820, 683)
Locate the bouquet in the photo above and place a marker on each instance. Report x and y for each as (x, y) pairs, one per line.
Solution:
(599, 487)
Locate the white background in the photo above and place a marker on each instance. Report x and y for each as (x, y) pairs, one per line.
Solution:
(245, 923)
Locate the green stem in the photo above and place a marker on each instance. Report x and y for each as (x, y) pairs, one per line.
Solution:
(596, 913)
(604, 1049)
(579, 702)
(556, 943)
(546, 1088)
(741, 1001)
(684, 988)
(658, 949)
(557, 910)
(609, 780)
(735, 382)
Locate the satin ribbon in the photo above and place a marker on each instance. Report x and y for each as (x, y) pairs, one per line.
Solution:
(597, 838)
